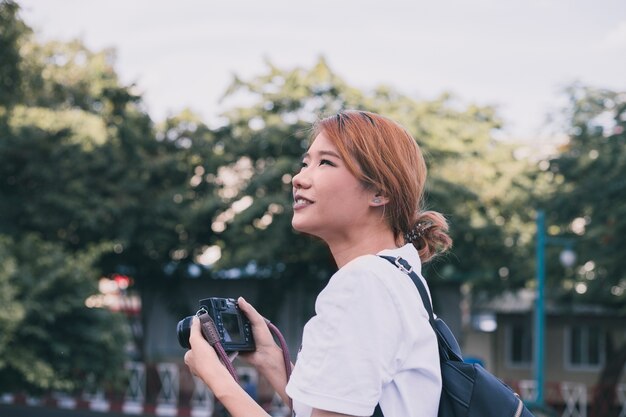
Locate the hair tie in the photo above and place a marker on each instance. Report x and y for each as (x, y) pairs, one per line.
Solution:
(417, 231)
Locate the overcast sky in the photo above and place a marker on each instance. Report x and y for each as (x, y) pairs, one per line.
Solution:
(517, 55)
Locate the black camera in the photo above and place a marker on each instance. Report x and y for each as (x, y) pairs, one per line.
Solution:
(232, 325)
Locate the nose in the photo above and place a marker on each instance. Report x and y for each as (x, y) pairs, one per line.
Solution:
(300, 180)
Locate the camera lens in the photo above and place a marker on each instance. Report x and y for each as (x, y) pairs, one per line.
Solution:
(183, 328)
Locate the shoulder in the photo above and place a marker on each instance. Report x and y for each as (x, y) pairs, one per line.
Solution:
(366, 284)
(371, 265)
(372, 281)
(362, 273)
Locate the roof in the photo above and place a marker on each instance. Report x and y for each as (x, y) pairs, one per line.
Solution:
(523, 301)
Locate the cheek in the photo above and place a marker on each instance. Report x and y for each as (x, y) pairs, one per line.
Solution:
(351, 200)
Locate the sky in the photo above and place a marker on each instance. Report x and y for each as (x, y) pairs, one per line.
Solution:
(515, 55)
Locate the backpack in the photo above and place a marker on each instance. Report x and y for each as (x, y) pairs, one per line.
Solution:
(468, 390)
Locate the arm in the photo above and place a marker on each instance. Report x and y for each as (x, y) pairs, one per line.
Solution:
(268, 357)
(204, 363)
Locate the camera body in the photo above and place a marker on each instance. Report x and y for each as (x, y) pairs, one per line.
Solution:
(233, 326)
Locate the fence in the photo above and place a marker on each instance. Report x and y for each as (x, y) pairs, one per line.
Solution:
(169, 389)
(571, 397)
(162, 389)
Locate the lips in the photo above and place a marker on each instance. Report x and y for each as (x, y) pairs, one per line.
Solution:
(300, 202)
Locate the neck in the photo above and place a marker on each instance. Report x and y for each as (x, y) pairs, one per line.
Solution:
(366, 243)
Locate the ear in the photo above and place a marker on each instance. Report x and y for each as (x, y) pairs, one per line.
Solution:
(378, 200)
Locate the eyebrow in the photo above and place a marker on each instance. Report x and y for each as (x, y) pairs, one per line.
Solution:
(322, 153)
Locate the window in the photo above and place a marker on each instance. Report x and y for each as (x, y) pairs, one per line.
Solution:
(584, 347)
(519, 344)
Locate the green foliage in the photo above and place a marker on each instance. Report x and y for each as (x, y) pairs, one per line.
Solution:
(12, 30)
(588, 205)
(50, 339)
(81, 163)
(68, 75)
(471, 178)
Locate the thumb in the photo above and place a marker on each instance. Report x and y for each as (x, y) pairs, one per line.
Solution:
(250, 312)
(259, 325)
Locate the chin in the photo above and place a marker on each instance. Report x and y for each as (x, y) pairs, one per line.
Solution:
(298, 226)
(302, 228)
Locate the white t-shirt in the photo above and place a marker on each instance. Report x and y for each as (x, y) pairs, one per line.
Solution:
(369, 342)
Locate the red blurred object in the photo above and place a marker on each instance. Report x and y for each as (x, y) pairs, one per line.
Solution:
(122, 281)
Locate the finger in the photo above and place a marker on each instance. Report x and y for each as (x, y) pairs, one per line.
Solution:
(195, 333)
(259, 327)
(254, 317)
(198, 343)
(189, 361)
(195, 326)
(195, 321)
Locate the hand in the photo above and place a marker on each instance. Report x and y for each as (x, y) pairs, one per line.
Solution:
(202, 359)
(268, 355)
(203, 362)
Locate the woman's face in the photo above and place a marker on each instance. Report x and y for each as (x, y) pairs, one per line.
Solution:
(329, 202)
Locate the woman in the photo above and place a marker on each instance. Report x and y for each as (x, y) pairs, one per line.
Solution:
(360, 190)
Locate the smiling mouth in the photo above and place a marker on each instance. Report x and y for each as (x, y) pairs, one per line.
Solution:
(300, 202)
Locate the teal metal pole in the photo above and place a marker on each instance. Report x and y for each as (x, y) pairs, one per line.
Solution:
(540, 307)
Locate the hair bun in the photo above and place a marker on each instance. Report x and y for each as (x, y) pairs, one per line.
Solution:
(429, 235)
(417, 231)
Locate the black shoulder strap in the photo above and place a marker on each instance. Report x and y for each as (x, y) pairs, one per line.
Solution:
(449, 348)
(405, 267)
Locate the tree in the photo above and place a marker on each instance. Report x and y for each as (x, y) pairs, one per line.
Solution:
(588, 204)
(590, 172)
(13, 30)
(50, 340)
(470, 172)
(81, 167)
(81, 163)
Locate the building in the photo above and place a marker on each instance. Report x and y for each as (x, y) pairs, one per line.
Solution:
(499, 333)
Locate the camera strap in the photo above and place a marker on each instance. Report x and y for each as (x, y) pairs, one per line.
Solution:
(209, 330)
(283, 346)
(212, 336)
(286, 356)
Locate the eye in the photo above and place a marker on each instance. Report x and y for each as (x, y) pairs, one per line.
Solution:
(327, 162)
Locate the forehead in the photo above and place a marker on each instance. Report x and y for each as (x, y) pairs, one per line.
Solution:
(322, 145)
(321, 141)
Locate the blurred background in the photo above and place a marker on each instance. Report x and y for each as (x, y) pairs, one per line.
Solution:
(146, 156)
